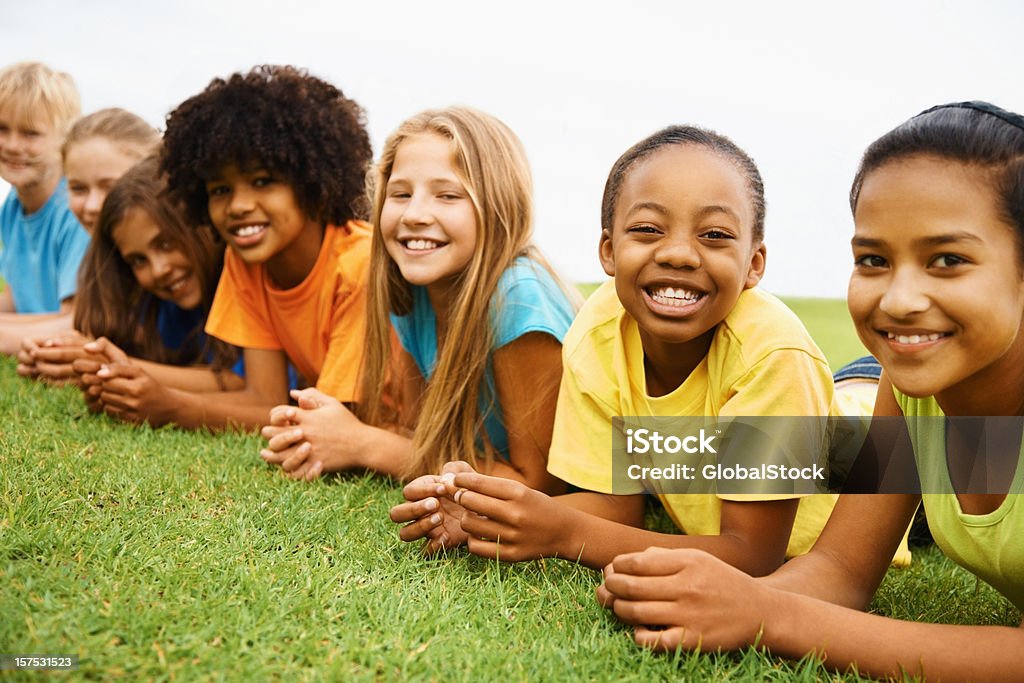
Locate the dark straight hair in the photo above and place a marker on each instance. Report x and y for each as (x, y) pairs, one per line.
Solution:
(974, 133)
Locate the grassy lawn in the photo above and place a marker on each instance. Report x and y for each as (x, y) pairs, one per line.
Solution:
(167, 555)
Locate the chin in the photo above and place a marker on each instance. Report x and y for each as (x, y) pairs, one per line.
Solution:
(915, 387)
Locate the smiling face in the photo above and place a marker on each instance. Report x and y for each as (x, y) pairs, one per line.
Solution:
(681, 248)
(158, 262)
(29, 150)
(428, 221)
(92, 166)
(258, 215)
(937, 291)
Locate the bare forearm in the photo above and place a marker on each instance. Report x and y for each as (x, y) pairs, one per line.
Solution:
(883, 647)
(219, 410)
(853, 553)
(15, 327)
(820, 576)
(198, 379)
(383, 451)
(597, 541)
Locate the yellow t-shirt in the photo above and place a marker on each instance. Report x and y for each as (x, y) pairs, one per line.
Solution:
(319, 323)
(761, 362)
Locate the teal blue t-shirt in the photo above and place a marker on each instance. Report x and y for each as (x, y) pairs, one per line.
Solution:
(527, 299)
(40, 253)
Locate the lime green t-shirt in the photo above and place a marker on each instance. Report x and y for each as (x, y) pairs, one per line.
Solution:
(991, 546)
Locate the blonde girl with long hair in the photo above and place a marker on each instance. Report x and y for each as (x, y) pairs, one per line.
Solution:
(465, 319)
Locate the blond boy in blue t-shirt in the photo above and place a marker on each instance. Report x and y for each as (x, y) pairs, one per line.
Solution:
(41, 241)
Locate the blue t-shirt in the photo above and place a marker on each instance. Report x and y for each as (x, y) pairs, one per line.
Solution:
(40, 253)
(527, 299)
(174, 325)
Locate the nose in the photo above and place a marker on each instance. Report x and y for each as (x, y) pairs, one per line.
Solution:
(417, 211)
(905, 295)
(241, 202)
(678, 252)
(94, 201)
(160, 266)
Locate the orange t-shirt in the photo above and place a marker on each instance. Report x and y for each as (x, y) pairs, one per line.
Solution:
(319, 323)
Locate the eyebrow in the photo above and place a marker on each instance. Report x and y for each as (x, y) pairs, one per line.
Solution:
(949, 238)
(649, 206)
(717, 208)
(933, 241)
(434, 182)
(701, 213)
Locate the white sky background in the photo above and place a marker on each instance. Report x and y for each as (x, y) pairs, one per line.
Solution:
(804, 87)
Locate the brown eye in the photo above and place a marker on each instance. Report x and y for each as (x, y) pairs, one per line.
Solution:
(870, 261)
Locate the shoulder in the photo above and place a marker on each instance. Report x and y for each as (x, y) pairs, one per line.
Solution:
(760, 325)
(597, 329)
(239, 275)
(529, 299)
(349, 243)
(349, 247)
(525, 275)
(10, 212)
(60, 222)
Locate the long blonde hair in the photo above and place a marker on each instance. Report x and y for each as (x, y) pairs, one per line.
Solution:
(491, 163)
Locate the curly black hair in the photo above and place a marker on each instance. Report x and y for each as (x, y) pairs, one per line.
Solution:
(281, 119)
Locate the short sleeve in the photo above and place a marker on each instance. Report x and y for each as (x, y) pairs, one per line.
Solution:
(339, 376)
(8, 212)
(784, 382)
(239, 314)
(529, 300)
(581, 443)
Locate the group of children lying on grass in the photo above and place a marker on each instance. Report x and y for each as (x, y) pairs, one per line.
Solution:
(249, 253)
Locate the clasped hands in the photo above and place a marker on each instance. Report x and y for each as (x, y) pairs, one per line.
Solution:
(109, 381)
(495, 517)
(313, 437)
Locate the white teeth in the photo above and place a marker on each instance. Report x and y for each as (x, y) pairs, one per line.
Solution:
(422, 245)
(914, 338)
(177, 284)
(671, 296)
(248, 230)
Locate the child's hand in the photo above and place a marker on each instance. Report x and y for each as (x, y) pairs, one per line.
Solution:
(685, 598)
(506, 519)
(100, 352)
(51, 359)
(128, 393)
(312, 438)
(431, 512)
(26, 359)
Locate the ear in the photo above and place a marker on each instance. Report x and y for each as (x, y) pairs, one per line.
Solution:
(757, 262)
(605, 253)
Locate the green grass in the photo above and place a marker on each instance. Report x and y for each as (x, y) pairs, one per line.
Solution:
(828, 321)
(168, 555)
